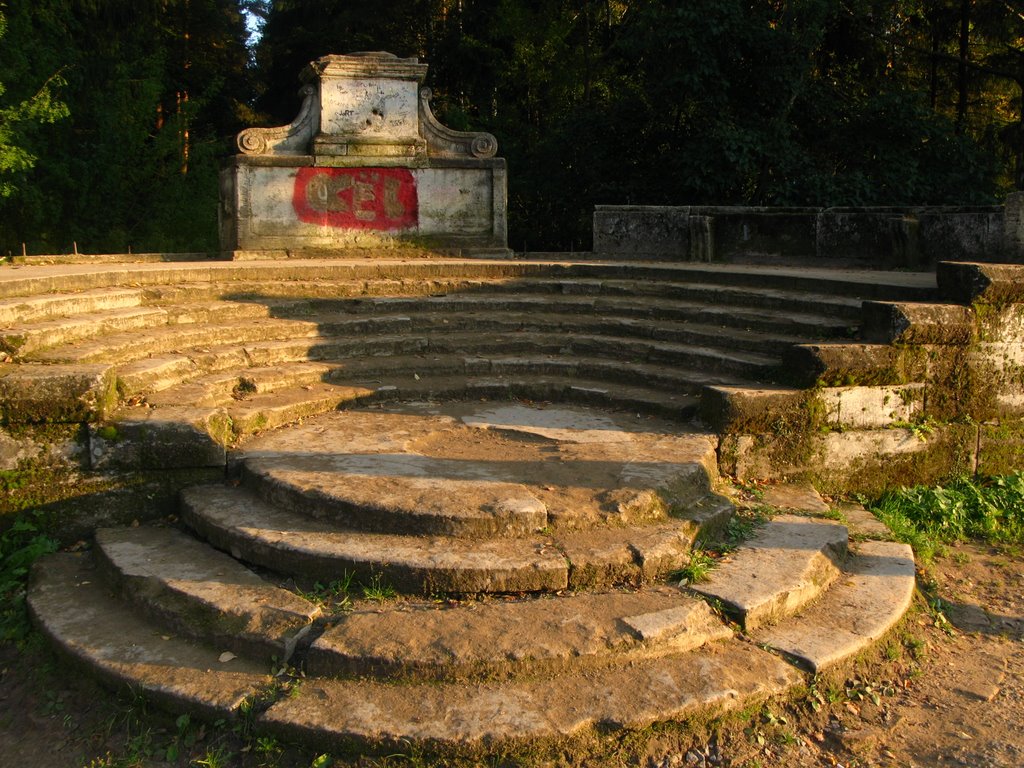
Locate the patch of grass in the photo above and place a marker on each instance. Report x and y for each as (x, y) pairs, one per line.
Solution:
(378, 591)
(985, 509)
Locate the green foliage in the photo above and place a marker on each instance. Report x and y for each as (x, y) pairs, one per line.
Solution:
(40, 108)
(989, 509)
(20, 546)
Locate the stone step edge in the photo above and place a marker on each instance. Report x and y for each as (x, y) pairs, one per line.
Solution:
(807, 555)
(567, 560)
(229, 386)
(190, 436)
(173, 585)
(34, 281)
(469, 719)
(80, 619)
(673, 626)
(762, 410)
(870, 596)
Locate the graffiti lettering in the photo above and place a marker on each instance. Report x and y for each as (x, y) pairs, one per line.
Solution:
(357, 198)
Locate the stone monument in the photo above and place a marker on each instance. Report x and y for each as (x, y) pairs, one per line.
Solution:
(365, 165)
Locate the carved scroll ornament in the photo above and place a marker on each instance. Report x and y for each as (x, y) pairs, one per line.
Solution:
(291, 139)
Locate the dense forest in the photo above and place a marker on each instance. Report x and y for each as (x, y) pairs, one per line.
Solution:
(115, 115)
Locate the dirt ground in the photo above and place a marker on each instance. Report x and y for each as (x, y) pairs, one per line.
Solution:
(944, 689)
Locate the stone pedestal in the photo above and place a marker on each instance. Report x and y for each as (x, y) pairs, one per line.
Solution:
(365, 165)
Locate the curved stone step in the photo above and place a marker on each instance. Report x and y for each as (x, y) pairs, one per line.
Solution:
(786, 564)
(254, 531)
(179, 380)
(330, 714)
(78, 615)
(268, 411)
(202, 593)
(34, 308)
(499, 638)
(869, 597)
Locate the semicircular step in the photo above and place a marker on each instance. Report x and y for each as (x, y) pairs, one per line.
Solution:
(77, 613)
(199, 592)
(788, 562)
(495, 638)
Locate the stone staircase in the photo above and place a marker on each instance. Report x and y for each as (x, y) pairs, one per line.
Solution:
(509, 493)
(230, 349)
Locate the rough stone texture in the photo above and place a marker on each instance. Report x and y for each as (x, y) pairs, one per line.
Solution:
(75, 612)
(862, 523)
(916, 323)
(1013, 226)
(794, 497)
(56, 393)
(163, 438)
(203, 593)
(871, 596)
(788, 562)
(642, 231)
(967, 283)
(912, 237)
(845, 364)
(494, 638)
(488, 471)
(1000, 447)
(332, 714)
(284, 541)
(872, 407)
(364, 165)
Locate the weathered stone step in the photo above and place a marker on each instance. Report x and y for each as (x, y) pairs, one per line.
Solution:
(28, 281)
(788, 562)
(34, 308)
(257, 532)
(201, 593)
(501, 638)
(331, 714)
(171, 382)
(867, 600)
(25, 339)
(76, 612)
(128, 347)
(810, 321)
(268, 411)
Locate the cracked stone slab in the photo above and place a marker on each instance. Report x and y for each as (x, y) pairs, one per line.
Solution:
(861, 606)
(787, 563)
(498, 637)
(721, 677)
(72, 608)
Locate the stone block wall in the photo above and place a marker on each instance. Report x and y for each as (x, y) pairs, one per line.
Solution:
(934, 390)
(917, 237)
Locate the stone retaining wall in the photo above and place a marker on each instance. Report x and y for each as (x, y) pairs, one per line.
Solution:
(912, 237)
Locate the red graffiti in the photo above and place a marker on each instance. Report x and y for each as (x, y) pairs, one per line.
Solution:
(357, 198)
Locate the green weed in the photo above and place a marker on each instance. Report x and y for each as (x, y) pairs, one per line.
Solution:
(697, 570)
(378, 591)
(334, 595)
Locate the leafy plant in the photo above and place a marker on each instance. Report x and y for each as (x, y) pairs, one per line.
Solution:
(20, 546)
(697, 570)
(335, 594)
(989, 509)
